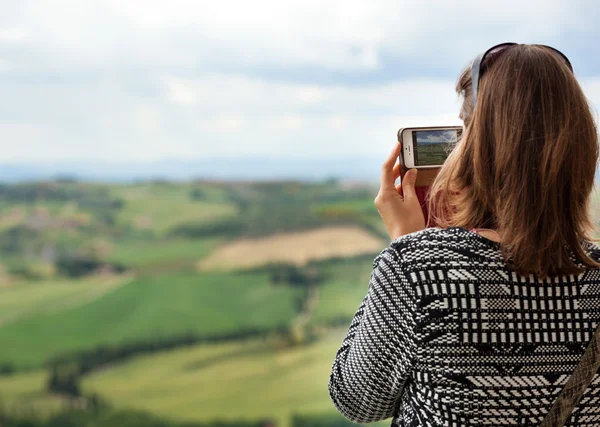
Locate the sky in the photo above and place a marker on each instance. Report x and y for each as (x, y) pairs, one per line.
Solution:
(149, 80)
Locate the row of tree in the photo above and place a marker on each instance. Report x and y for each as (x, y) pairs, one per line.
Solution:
(104, 416)
(321, 420)
(271, 207)
(66, 370)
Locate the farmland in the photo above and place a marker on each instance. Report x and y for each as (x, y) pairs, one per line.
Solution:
(294, 248)
(163, 304)
(150, 307)
(203, 382)
(170, 300)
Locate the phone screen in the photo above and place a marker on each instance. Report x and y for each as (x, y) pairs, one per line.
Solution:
(432, 147)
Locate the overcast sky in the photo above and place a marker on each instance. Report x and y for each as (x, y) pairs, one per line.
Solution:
(169, 79)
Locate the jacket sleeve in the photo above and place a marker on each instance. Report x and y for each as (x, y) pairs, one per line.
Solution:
(376, 356)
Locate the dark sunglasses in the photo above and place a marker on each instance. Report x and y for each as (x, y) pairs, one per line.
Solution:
(486, 59)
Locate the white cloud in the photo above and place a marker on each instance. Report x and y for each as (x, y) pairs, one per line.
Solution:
(330, 34)
(290, 122)
(146, 120)
(5, 66)
(351, 34)
(151, 79)
(225, 115)
(337, 122)
(216, 115)
(180, 92)
(229, 123)
(310, 94)
(215, 93)
(12, 35)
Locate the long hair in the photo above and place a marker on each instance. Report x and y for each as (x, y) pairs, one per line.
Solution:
(526, 163)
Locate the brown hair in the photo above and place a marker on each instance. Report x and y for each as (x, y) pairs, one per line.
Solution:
(526, 163)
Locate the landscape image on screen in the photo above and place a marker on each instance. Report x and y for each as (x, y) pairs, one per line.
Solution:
(432, 147)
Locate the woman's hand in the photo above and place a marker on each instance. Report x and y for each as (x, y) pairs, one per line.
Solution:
(398, 205)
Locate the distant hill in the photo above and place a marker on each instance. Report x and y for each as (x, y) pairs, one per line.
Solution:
(363, 169)
(248, 168)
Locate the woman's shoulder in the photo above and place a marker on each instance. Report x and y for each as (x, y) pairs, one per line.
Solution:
(456, 243)
(445, 243)
(436, 236)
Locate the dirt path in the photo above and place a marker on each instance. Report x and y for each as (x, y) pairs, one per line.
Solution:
(310, 303)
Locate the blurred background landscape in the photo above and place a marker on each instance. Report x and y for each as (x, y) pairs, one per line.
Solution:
(186, 192)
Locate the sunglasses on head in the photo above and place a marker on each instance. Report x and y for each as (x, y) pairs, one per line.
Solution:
(486, 59)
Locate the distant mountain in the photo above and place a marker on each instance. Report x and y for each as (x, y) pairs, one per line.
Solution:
(249, 168)
(364, 169)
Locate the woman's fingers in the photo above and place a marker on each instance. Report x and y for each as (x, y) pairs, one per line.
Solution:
(396, 171)
(399, 190)
(398, 205)
(387, 169)
(408, 184)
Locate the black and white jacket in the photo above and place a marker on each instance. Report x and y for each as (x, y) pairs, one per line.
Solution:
(447, 335)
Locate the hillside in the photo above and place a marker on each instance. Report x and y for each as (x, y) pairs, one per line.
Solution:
(160, 303)
(107, 290)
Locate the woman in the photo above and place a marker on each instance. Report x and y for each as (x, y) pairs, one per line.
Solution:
(481, 321)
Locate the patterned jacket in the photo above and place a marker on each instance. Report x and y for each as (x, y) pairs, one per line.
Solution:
(447, 335)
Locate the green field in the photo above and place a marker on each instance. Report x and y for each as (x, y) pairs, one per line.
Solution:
(151, 255)
(230, 381)
(34, 298)
(28, 391)
(241, 380)
(340, 296)
(151, 307)
(357, 205)
(160, 296)
(160, 207)
(63, 316)
(360, 211)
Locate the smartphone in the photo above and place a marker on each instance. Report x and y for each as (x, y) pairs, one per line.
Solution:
(427, 147)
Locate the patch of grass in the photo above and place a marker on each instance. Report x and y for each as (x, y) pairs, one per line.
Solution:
(365, 206)
(153, 254)
(153, 307)
(224, 381)
(160, 207)
(359, 211)
(28, 391)
(375, 224)
(199, 383)
(340, 296)
(27, 298)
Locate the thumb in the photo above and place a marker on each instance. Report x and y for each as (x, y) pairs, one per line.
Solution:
(408, 184)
